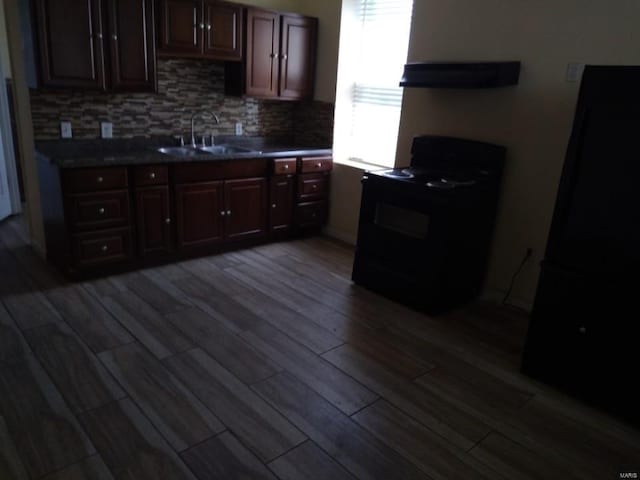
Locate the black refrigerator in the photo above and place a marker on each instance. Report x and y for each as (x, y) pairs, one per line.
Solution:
(584, 335)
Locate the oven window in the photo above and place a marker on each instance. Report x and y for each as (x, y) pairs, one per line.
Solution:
(401, 220)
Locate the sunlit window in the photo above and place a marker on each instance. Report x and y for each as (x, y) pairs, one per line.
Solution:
(382, 38)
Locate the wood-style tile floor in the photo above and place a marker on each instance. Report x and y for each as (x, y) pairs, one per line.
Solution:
(268, 363)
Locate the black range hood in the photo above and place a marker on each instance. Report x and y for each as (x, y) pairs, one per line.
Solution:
(460, 74)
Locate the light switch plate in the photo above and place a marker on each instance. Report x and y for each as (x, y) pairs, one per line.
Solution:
(106, 129)
(238, 128)
(65, 130)
(574, 71)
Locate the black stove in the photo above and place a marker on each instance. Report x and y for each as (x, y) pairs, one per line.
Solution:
(425, 229)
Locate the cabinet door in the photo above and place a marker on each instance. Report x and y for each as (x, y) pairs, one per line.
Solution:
(297, 62)
(199, 214)
(71, 44)
(153, 220)
(281, 199)
(223, 30)
(246, 202)
(181, 27)
(131, 37)
(263, 42)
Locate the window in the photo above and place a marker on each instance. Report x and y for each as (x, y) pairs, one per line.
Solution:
(379, 40)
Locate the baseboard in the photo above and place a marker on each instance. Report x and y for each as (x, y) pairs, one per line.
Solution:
(341, 235)
(497, 296)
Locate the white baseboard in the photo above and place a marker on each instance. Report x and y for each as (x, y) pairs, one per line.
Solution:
(496, 296)
(341, 235)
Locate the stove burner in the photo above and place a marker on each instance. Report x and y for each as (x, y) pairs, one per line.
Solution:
(405, 173)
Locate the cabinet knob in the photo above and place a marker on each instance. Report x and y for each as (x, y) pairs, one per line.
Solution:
(285, 56)
(152, 175)
(100, 179)
(223, 213)
(274, 55)
(314, 215)
(104, 248)
(274, 206)
(202, 26)
(167, 220)
(99, 36)
(228, 213)
(101, 210)
(208, 26)
(315, 187)
(114, 36)
(286, 166)
(319, 165)
(582, 330)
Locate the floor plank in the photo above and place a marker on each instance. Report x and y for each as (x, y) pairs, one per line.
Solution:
(226, 348)
(11, 467)
(225, 458)
(80, 377)
(177, 414)
(12, 343)
(46, 434)
(330, 382)
(352, 446)
(155, 295)
(92, 468)
(130, 446)
(30, 309)
(97, 328)
(148, 326)
(447, 420)
(308, 461)
(264, 431)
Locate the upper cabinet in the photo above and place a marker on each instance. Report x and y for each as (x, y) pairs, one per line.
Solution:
(200, 29)
(96, 44)
(280, 59)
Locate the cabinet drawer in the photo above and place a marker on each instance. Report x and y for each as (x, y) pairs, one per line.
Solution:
(311, 214)
(109, 246)
(316, 164)
(284, 166)
(93, 211)
(151, 175)
(94, 179)
(220, 170)
(313, 186)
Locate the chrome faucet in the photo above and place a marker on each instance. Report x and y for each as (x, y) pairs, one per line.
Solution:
(203, 115)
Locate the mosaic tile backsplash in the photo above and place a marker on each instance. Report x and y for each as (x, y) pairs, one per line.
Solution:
(184, 87)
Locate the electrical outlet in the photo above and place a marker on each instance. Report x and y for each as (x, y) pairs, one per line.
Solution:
(574, 71)
(106, 129)
(238, 128)
(65, 130)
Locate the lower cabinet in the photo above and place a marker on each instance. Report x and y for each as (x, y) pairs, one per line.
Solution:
(200, 214)
(153, 218)
(210, 212)
(281, 198)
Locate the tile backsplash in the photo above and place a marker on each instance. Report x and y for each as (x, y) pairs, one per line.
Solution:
(184, 87)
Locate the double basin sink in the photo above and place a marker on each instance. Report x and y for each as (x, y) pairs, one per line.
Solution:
(213, 151)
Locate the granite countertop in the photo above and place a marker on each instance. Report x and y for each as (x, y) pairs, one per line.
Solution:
(143, 151)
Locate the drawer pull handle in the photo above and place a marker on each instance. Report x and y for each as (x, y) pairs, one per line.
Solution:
(104, 248)
(152, 175)
(223, 213)
(582, 330)
(228, 213)
(274, 206)
(101, 210)
(100, 179)
(167, 220)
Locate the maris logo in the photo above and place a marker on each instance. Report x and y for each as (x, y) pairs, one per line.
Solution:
(629, 475)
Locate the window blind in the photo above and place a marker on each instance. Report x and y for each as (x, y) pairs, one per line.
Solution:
(377, 98)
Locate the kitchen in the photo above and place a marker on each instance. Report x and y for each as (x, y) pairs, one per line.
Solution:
(543, 103)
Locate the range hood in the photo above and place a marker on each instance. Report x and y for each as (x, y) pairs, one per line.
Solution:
(460, 74)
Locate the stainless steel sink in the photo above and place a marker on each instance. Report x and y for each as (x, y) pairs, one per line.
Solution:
(214, 151)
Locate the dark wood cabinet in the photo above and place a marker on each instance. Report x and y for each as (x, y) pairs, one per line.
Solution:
(70, 38)
(131, 39)
(223, 30)
(200, 214)
(201, 29)
(298, 52)
(77, 37)
(153, 215)
(281, 199)
(280, 57)
(246, 202)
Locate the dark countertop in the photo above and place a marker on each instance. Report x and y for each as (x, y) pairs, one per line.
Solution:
(143, 151)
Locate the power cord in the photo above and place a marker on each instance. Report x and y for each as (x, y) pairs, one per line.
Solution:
(527, 256)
